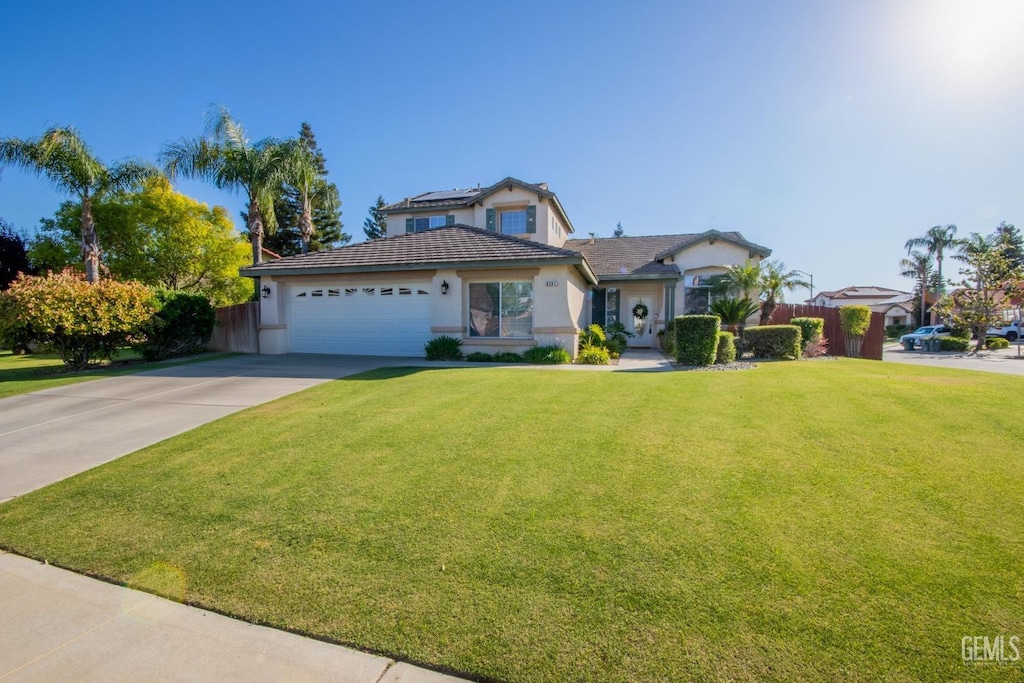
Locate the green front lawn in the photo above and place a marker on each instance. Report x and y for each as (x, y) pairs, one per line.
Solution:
(37, 371)
(801, 521)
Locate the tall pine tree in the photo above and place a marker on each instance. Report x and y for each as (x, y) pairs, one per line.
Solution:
(376, 224)
(1010, 245)
(287, 239)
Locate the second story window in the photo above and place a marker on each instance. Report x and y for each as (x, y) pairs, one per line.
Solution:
(427, 222)
(513, 222)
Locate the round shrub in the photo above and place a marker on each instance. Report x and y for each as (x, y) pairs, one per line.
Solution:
(443, 348)
(593, 355)
(726, 352)
(994, 343)
(84, 323)
(547, 355)
(696, 339)
(773, 341)
(181, 326)
(508, 357)
(480, 357)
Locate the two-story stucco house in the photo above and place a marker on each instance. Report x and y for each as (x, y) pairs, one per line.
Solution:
(494, 266)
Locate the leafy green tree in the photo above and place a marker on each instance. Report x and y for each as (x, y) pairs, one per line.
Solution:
(989, 280)
(227, 158)
(159, 237)
(619, 232)
(939, 240)
(774, 282)
(919, 267)
(376, 224)
(13, 255)
(308, 207)
(62, 157)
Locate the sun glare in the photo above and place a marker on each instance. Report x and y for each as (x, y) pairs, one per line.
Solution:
(969, 43)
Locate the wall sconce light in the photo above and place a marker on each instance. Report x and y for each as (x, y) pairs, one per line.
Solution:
(444, 287)
(266, 292)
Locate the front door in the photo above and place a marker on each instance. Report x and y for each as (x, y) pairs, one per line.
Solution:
(636, 322)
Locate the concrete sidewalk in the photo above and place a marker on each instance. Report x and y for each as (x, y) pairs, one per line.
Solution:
(56, 625)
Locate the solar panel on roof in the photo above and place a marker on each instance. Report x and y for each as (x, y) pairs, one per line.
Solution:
(446, 194)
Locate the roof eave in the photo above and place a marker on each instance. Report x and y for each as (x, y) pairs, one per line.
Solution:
(712, 235)
(673, 277)
(405, 267)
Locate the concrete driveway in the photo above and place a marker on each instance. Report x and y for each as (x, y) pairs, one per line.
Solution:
(52, 434)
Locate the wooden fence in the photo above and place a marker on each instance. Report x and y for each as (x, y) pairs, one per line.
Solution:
(871, 346)
(237, 328)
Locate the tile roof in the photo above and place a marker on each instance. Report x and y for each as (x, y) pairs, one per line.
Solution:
(454, 244)
(641, 256)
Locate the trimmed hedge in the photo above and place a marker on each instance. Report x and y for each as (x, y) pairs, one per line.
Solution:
(547, 355)
(697, 339)
(855, 320)
(954, 344)
(994, 343)
(809, 329)
(773, 341)
(508, 357)
(726, 352)
(480, 357)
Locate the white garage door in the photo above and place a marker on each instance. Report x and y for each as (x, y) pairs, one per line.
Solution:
(374, 320)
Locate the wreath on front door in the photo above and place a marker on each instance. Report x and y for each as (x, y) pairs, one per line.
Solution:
(640, 311)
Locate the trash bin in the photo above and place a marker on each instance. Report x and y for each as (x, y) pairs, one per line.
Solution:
(933, 345)
(908, 345)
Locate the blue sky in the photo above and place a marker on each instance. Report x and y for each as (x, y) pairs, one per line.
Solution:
(828, 131)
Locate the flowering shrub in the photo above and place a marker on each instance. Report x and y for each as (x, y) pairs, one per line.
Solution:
(83, 323)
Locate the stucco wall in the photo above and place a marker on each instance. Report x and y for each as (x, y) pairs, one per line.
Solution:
(706, 258)
(550, 228)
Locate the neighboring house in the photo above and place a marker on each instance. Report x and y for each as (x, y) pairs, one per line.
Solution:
(896, 305)
(494, 266)
(865, 296)
(899, 310)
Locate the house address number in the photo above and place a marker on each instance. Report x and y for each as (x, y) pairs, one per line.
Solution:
(551, 283)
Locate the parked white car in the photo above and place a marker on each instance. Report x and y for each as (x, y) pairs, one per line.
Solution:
(1010, 331)
(926, 332)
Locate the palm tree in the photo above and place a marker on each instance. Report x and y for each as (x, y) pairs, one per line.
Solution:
(774, 282)
(734, 312)
(935, 242)
(303, 174)
(919, 267)
(745, 279)
(226, 158)
(62, 157)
